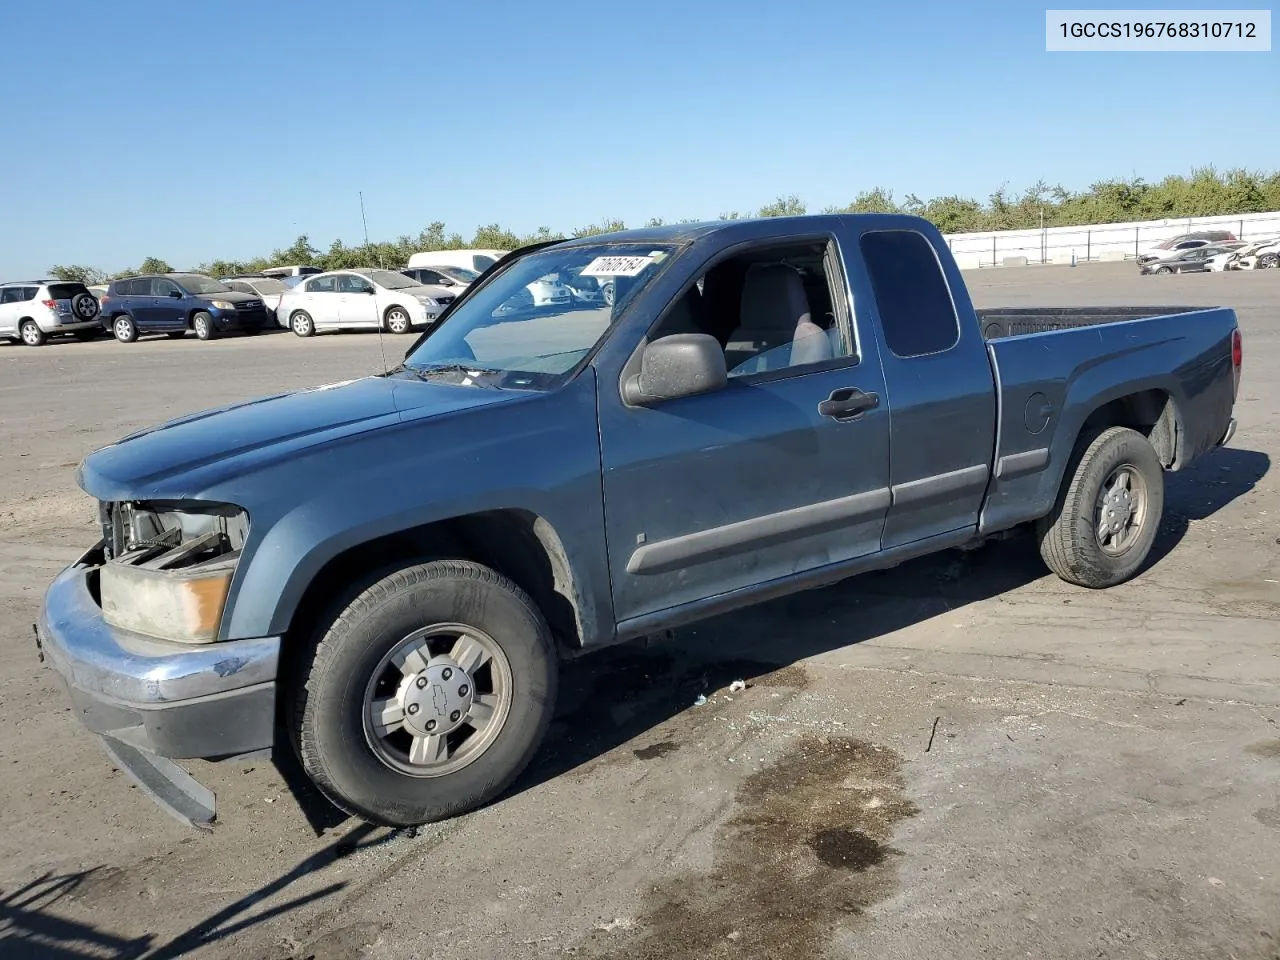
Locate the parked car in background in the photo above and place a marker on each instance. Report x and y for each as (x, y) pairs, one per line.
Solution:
(550, 290)
(590, 290)
(365, 298)
(1262, 255)
(270, 289)
(35, 310)
(442, 276)
(293, 271)
(477, 260)
(1186, 241)
(1195, 260)
(99, 290)
(174, 303)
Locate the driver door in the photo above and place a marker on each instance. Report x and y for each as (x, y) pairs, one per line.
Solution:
(752, 483)
(357, 302)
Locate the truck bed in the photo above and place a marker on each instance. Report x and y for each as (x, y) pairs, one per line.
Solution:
(999, 322)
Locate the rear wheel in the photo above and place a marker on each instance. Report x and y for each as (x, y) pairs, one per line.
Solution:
(31, 333)
(125, 330)
(1108, 511)
(398, 320)
(302, 324)
(202, 323)
(426, 696)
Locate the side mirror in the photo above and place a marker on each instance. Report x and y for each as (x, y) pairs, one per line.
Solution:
(680, 365)
(370, 290)
(176, 294)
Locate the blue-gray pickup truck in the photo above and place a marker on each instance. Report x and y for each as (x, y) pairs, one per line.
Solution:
(385, 573)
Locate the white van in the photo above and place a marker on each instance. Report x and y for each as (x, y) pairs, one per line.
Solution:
(477, 260)
(297, 271)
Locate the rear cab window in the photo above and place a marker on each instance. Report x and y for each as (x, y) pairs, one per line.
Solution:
(917, 314)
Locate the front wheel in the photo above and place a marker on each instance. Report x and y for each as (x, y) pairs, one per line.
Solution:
(202, 323)
(426, 696)
(1269, 261)
(1163, 270)
(1108, 511)
(398, 320)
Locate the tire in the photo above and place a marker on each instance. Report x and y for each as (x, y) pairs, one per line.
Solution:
(84, 336)
(176, 334)
(1163, 270)
(30, 333)
(202, 324)
(1071, 536)
(397, 320)
(124, 329)
(302, 324)
(346, 668)
(1268, 261)
(84, 306)
(609, 292)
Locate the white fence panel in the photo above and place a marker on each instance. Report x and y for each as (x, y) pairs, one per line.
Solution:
(1106, 241)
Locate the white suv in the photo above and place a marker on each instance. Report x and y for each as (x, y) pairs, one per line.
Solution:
(32, 312)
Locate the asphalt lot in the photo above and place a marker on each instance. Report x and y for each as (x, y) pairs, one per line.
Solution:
(963, 757)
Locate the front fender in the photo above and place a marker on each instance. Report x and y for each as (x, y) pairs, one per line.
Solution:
(540, 457)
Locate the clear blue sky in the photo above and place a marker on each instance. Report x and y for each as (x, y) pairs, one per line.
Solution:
(227, 128)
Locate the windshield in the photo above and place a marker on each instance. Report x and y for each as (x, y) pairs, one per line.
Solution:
(390, 280)
(527, 327)
(461, 274)
(193, 283)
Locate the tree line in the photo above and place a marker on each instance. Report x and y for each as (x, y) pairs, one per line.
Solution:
(1205, 192)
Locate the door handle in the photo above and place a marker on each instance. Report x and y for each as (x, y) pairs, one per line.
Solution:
(848, 403)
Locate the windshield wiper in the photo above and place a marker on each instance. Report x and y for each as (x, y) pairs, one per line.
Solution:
(471, 370)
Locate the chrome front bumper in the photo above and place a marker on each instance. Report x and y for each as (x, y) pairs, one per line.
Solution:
(153, 699)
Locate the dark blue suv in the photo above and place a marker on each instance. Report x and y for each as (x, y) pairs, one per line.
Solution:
(174, 303)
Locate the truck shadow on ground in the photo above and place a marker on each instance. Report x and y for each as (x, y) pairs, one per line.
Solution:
(609, 698)
(31, 928)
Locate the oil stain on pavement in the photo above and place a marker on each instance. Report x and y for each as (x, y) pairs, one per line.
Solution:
(806, 851)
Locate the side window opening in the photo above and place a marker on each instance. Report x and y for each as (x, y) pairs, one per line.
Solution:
(916, 312)
(771, 309)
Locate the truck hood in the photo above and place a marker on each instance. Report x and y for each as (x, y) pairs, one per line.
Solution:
(180, 458)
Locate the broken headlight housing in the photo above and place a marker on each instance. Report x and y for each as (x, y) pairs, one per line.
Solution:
(169, 565)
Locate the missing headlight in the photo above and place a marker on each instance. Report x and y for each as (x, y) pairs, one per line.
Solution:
(169, 535)
(169, 566)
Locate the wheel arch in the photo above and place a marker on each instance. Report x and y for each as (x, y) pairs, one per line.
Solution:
(1153, 412)
(519, 544)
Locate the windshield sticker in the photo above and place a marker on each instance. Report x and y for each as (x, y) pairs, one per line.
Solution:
(616, 266)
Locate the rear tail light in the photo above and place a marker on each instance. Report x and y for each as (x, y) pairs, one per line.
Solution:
(51, 304)
(1237, 358)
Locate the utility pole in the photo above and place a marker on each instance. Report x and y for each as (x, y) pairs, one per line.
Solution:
(364, 222)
